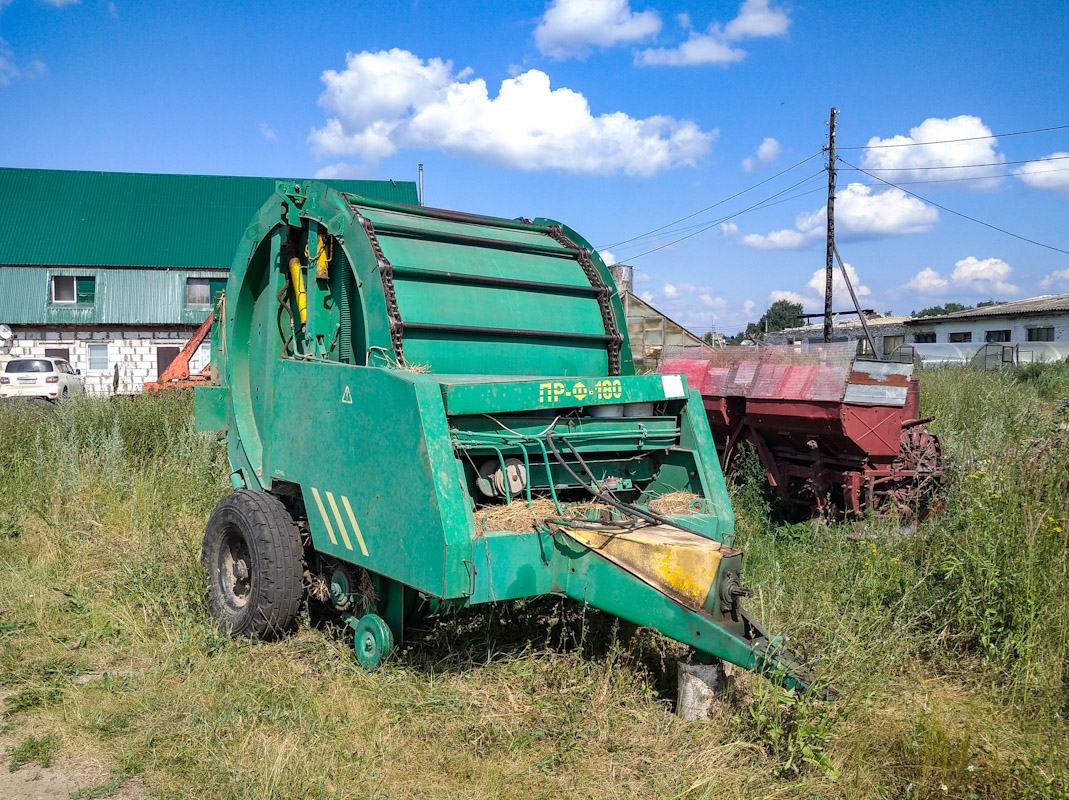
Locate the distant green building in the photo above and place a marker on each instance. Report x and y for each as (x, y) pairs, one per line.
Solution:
(112, 269)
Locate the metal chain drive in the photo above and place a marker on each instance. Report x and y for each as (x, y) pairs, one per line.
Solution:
(582, 255)
(397, 325)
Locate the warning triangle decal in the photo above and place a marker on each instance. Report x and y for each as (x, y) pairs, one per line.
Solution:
(346, 397)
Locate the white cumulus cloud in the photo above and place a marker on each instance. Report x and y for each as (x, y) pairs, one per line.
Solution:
(970, 275)
(928, 154)
(670, 291)
(928, 281)
(608, 257)
(267, 133)
(1059, 276)
(10, 71)
(342, 170)
(767, 152)
(1046, 172)
(793, 297)
(389, 100)
(569, 27)
(838, 286)
(756, 18)
(813, 296)
(860, 213)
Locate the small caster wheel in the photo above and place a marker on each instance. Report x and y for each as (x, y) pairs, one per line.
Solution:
(372, 639)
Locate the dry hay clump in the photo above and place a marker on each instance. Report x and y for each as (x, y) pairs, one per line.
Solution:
(519, 517)
(675, 503)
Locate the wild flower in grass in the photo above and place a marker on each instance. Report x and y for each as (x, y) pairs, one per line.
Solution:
(994, 496)
(943, 788)
(971, 768)
(1056, 529)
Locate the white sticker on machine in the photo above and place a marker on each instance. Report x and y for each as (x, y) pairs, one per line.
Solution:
(673, 386)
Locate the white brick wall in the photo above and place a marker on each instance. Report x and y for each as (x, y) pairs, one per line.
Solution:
(1017, 326)
(133, 351)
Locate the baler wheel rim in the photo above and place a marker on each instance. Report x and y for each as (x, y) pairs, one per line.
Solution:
(252, 557)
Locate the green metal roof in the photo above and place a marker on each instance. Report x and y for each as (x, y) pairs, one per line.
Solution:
(58, 219)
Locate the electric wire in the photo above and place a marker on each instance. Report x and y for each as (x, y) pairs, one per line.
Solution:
(714, 205)
(722, 220)
(951, 141)
(686, 228)
(958, 213)
(973, 178)
(967, 166)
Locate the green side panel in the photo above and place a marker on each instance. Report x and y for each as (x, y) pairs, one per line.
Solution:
(502, 397)
(396, 471)
(504, 355)
(210, 407)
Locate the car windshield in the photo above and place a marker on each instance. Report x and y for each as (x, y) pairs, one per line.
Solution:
(29, 365)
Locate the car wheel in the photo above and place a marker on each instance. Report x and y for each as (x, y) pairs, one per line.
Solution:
(252, 556)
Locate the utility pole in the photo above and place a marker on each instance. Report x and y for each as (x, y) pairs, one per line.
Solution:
(830, 265)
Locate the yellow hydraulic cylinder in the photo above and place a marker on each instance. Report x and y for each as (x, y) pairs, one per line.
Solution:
(298, 289)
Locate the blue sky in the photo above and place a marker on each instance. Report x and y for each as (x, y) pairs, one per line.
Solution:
(615, 117)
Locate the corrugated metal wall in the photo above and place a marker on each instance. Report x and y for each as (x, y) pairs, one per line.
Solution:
(69, 222)
(123, 297)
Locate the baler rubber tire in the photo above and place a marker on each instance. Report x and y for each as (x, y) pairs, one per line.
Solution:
(275, 573)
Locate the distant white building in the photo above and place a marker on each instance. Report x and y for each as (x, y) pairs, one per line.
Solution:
(888, 332)
(1037, 319)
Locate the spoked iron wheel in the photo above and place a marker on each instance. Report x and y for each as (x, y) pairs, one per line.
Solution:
(922, 454)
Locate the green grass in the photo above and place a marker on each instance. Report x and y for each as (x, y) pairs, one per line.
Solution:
(948, 644)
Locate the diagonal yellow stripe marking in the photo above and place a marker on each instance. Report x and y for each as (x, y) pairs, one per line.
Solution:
(341, 525)
(356, 528)
(323, 513)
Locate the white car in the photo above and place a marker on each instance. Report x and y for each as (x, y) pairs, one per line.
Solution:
(49, 378)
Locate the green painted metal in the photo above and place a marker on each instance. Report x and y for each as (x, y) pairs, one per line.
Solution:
(119, 297)
(137, 236)
(68, 218)
(379, 419)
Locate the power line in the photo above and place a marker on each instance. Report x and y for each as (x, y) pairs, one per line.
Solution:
(958, 213)
(722, 220)
(969, 166)
(951, 141)
(974, 178)
(694, 226)
(714, 205)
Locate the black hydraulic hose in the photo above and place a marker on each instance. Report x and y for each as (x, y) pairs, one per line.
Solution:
(608, 499)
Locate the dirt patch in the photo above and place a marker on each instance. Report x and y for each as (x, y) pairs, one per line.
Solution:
(65, 776)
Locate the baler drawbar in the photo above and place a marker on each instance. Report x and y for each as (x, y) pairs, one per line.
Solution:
(391, 376)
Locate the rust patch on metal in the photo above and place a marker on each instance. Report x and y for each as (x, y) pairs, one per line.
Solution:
(865, 379)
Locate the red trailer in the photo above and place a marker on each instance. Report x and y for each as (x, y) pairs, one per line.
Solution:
(837, 433)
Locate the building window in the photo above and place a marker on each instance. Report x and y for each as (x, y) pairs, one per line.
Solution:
(924, 338)
(98, 357)
(1041, 334)
(203, 291)
(997, 336)
(960, 338)
(72, 289)
(891, 342)
(58, 352)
